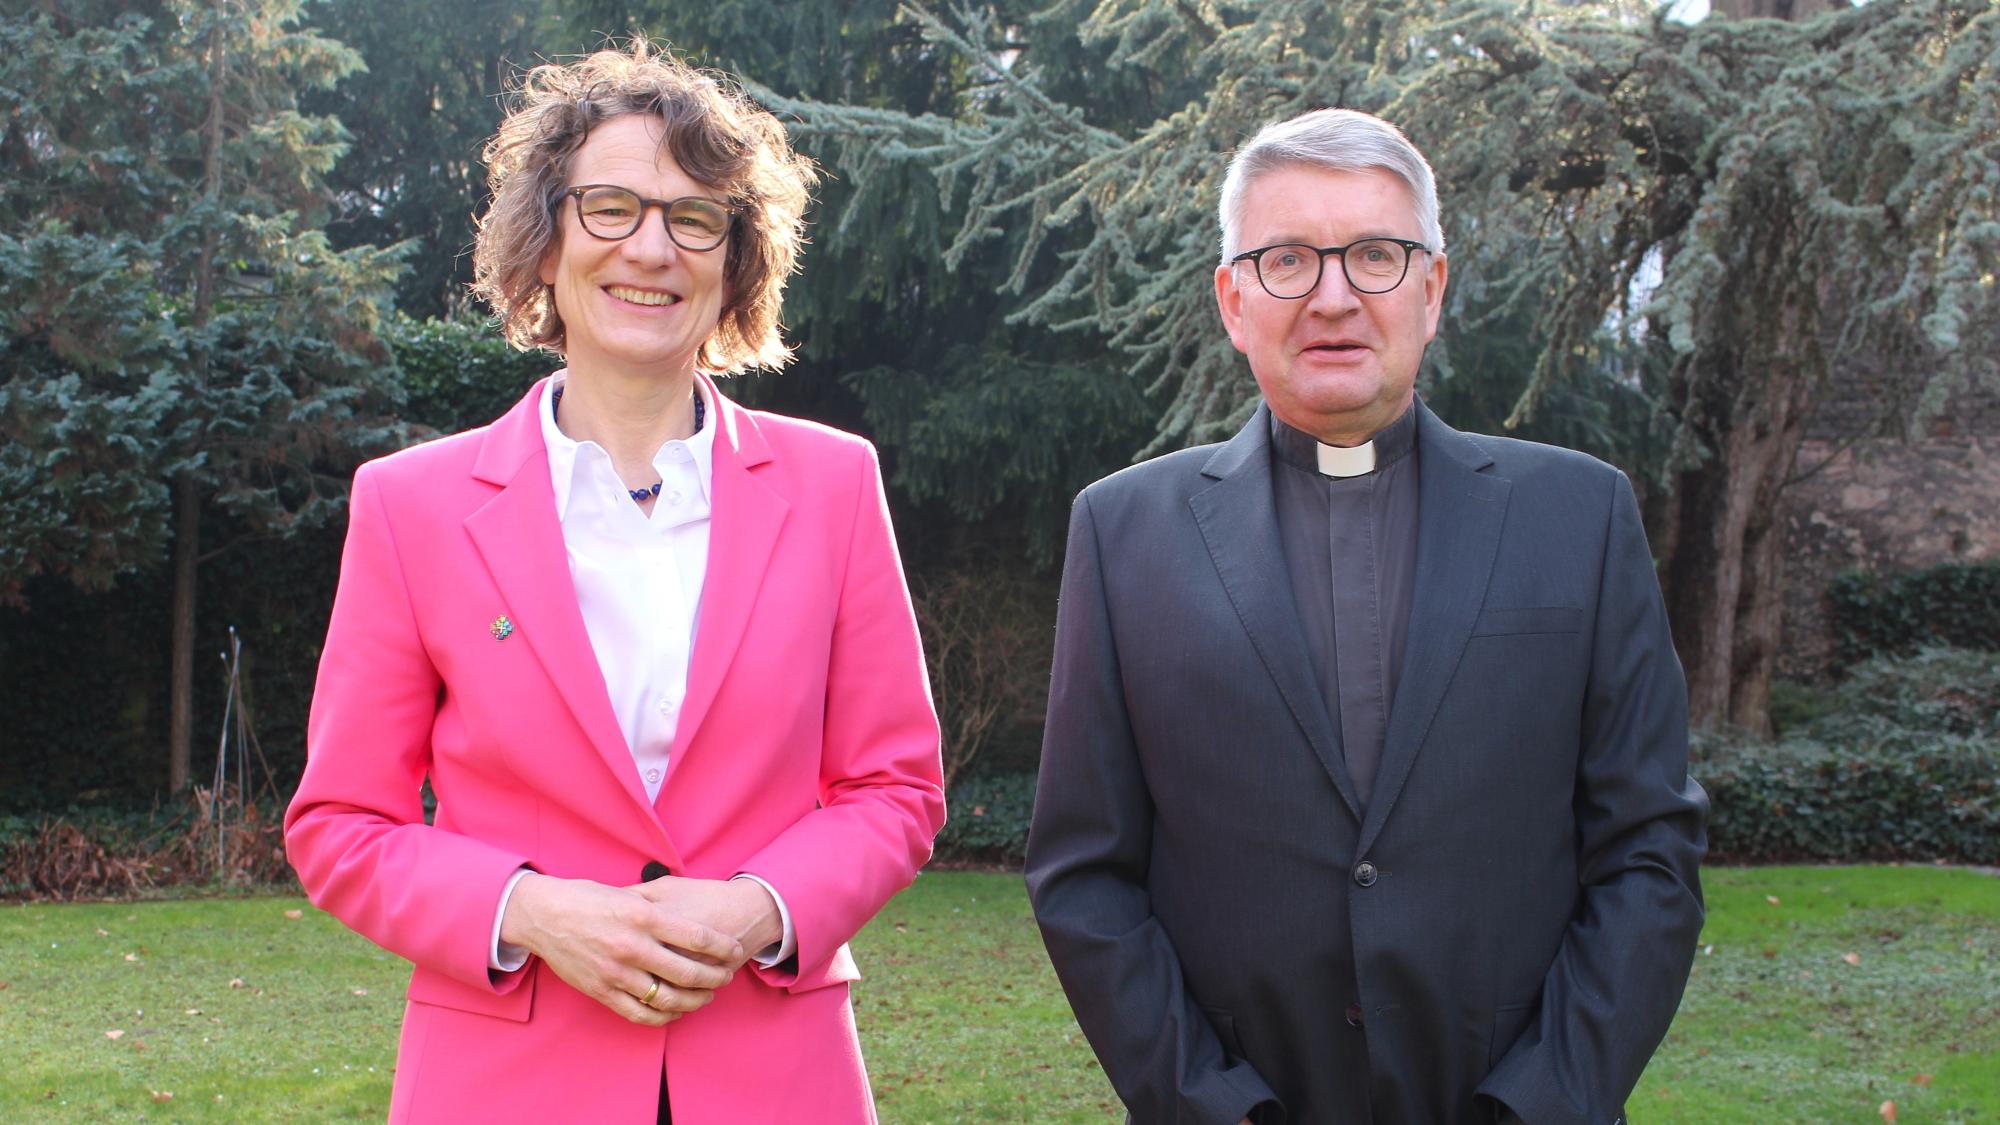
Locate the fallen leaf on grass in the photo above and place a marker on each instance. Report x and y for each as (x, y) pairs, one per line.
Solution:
(3, 986)
(1851, 958)
(361, 992)
(236, 982)
(1888, 1111)
(131, 956)
(102, 932)
(295, 915)
(1772, 899)
(115, 1033)
(194, 1011)
(163, 1095)
(1921, 1079)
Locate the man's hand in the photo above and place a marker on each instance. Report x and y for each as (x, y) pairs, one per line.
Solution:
(740, 908)
(612, 945)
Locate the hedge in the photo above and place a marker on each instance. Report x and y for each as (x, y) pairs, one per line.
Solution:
(1956, 605)
(987, 820)
(1801, 800)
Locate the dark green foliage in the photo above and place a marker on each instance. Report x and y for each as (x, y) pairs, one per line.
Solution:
(1899, 761)
(986, 433)
(987, 819)
(1943, 690)
(1803, 800)
(460, 373)
(1795, 705)
(417, 118)
(182, 339)
(87, 675)
(1957, 604)
(84, 714)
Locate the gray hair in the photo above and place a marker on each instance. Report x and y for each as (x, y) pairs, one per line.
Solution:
(1342, 140)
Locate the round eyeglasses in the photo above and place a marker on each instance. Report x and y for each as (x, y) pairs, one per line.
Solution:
(612, 213)
(1290, 270)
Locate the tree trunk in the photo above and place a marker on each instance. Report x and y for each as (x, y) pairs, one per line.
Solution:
(187, 544)
(187, 490)
(1724, 568)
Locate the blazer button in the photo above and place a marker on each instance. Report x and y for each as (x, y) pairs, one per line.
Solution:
(653, 870)
(1354, 1015)
(1364, 873)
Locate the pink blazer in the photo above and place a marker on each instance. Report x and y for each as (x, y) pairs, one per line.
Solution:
(807, 754)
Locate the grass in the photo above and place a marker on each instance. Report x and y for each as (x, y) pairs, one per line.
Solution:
(1822, 993)
(243, 1012)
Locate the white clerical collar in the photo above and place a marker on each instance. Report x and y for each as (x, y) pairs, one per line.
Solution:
(1347, 461)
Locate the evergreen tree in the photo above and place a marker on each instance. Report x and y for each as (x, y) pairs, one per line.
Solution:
(1810, 196)
(182, 336)
(417, 116)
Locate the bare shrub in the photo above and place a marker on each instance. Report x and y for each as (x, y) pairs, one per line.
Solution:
(106, 854)
(986, 643)
(57, 860)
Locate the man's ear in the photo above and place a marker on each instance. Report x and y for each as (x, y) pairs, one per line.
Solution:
(1435, 277)
(1229, 302)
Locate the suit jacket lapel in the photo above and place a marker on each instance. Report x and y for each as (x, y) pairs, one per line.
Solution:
(1238, 518)
(743, 531)
(1461, 508)
(520, 540)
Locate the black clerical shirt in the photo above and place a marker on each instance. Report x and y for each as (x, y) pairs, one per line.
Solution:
(1351, 549)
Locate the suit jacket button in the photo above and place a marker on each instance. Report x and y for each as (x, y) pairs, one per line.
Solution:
(1364, 873)
(654, 870)
(1354, 1015)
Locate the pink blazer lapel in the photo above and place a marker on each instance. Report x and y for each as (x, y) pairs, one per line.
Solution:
(518, 537)
(747, 515)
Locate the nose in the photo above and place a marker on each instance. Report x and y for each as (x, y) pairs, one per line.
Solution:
(650, 245)
(1333, 295)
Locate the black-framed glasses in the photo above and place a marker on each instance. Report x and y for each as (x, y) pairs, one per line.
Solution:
(612, 213)
(1290, 270)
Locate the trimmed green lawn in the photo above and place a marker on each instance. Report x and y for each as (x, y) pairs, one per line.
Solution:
(1822, 992)
(243, 1013)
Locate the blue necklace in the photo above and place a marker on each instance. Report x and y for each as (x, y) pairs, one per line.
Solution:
(639, 495)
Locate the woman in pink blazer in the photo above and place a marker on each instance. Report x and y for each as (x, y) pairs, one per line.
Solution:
(652, 651)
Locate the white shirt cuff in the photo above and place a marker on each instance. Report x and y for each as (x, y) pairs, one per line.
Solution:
(502, 957)
(785, 948)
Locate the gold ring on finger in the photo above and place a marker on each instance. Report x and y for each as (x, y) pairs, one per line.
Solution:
(647, 999)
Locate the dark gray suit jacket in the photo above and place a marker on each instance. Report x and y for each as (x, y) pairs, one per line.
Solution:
(1512, 918)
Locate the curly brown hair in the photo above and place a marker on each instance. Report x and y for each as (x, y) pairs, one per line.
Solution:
(714, 132)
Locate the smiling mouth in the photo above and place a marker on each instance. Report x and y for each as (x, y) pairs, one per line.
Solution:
(641, 296)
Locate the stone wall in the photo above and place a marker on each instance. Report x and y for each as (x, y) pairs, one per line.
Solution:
(1881, 504)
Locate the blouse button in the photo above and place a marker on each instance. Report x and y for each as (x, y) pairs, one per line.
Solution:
(652, 777)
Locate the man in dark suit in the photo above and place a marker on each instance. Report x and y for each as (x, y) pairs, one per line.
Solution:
(1364, 795)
